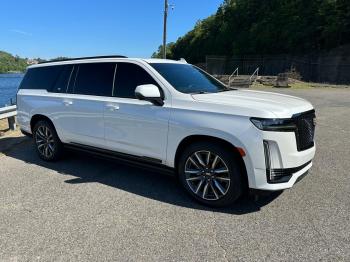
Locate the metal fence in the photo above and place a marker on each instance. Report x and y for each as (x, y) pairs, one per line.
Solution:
(321, 69)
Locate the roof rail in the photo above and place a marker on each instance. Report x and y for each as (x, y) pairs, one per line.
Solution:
(81, 58)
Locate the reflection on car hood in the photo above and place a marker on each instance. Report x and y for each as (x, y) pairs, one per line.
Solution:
(280, 105)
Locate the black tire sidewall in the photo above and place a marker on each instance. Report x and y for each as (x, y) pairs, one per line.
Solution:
(235, 189)
(58, 144)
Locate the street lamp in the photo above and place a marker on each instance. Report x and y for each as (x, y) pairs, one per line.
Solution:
(166, 7)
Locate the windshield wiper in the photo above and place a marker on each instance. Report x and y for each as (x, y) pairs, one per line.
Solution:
(200, 92)
(226, 89)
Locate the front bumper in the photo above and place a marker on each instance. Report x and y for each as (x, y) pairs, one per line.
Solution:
(294, 178)
(282, 166)
(283, 175)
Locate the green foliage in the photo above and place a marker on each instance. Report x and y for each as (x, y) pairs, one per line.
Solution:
(159, 53)
(10, 63)
(59, 58)
(242, 27)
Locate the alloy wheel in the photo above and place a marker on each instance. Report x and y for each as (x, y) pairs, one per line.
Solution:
(45, 141)
(207, 175)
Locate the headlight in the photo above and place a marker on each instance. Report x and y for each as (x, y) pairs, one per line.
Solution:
(275, 124)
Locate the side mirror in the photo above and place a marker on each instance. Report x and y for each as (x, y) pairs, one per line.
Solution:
(149, 93)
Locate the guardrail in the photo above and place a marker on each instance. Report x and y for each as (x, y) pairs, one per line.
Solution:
(10, 113)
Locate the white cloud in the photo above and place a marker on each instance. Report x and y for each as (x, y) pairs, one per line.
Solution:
(20, 32)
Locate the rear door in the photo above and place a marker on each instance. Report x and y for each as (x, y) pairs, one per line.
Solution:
(84, 103)
(41, 93)
(133, 126)
(59, 113)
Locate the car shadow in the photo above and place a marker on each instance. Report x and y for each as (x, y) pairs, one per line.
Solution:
(86, 168)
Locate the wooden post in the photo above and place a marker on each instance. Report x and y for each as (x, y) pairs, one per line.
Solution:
(166, 6)
(12, 122)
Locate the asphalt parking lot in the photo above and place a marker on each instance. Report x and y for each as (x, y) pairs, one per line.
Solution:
(85, 208)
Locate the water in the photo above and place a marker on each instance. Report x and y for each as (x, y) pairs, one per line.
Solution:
(9, 84)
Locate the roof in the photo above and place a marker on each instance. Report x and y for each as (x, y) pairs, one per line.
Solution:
(167, 61)
(84, 58)
(98, 59)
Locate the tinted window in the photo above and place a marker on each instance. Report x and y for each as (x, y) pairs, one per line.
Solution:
(95, 79)
(188, 79)
(128, 77)
(41, 77)
(61, 83)
(72, 79)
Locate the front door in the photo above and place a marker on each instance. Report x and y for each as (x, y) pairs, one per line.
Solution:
(132, 126)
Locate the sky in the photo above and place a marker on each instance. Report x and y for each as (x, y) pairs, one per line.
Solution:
(75, 28)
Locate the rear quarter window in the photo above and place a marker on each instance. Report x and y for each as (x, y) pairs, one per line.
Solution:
(41, 77)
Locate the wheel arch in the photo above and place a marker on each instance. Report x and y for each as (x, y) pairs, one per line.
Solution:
(38, 117)
(236, 151)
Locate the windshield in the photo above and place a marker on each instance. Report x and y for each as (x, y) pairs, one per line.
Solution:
(188, 78)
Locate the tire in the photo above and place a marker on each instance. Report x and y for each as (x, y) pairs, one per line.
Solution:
(47, 143)
(216, 184)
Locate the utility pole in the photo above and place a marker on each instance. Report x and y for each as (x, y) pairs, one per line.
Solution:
(166, 6)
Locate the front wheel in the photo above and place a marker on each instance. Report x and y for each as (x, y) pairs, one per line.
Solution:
(210, 174)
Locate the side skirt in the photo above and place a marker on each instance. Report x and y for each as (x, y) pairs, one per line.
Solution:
(142, 162)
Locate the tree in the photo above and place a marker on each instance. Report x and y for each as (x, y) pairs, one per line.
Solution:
(242, 27)
(9, 63)
(159, 52)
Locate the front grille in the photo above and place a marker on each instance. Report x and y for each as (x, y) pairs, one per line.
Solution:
(305, 132)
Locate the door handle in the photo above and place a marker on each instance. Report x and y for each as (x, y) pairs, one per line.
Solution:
(67, 103)
(113, 107)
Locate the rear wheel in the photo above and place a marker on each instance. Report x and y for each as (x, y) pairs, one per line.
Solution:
(48, 144)
(210, 173)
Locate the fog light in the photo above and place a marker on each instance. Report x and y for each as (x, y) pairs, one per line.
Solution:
(274, 175)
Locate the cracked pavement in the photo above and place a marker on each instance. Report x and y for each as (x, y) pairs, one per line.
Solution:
(85, 208)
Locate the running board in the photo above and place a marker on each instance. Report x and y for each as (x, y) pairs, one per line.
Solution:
(142, 162)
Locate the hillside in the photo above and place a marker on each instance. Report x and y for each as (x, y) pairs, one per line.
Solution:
(9, 63)
(255, 27)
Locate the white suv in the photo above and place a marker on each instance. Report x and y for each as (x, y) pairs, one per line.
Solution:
(171, 116)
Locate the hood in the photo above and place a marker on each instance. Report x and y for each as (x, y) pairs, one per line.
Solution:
(257, 103)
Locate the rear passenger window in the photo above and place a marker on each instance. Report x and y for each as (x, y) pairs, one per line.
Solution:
(128, 77)
(72, 79)
(95, 79)
(61, 83)
(41, 77)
